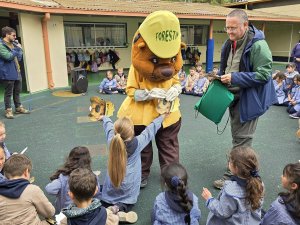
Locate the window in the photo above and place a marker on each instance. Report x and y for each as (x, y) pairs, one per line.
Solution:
(194, 34)
(95, 34)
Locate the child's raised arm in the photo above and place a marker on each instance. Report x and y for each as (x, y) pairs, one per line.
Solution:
(108, 127)
(149, 133)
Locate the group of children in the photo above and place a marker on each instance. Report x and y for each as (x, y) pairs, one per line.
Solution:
(197, 81)
(82, 200)
(113, 84)
(287, 86)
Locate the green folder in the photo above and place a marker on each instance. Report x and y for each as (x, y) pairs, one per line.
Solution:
(214, 102)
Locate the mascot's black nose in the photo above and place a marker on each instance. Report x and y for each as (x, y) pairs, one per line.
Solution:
(166, 71)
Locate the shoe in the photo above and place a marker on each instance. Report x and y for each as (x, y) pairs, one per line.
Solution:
(144, 182)
(22, 110)
(9, 114)
(294, 116)
(219, 183)
(130, 217)
(115, 92)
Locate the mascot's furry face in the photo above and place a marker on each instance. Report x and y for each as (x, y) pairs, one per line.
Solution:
(152, 67)
(156, 48)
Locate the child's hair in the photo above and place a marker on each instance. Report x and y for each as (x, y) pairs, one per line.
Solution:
(297, 77)
(83, 184)
(245, 160)
(291, 65)
(192, 68)
(279, 75)
(175, 177)
(117, 159)
(292, 172)
(79, 157)
(16, 165)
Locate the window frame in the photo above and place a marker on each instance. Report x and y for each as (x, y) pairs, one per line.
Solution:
(94, 25)
(204, 29)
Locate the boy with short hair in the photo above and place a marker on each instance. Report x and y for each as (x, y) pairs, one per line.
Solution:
(23, 203)
(86, 209)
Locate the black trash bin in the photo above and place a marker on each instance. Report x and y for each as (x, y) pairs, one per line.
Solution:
(79, 81)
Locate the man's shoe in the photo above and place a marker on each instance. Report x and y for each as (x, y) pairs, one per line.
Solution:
(144, 182)
(9, 114)
(22, 110)
(219, 183)
(130, 217)
(294, 116)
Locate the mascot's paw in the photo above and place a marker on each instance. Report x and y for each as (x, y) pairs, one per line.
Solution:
(100, 107)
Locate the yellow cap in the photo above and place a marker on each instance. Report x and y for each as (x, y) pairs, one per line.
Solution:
(161, 32)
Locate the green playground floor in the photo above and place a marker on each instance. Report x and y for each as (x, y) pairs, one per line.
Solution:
(58, 124)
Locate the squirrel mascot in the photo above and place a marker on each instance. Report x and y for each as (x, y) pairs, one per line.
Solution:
(153, 78)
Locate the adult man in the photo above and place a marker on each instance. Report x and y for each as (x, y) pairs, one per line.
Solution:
(295, 54)
(246, 62)
(10, 55)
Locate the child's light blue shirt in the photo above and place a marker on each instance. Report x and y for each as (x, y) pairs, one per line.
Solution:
(129, 190)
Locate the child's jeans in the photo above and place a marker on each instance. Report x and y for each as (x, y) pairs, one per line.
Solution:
(109, 90)
(290, 109)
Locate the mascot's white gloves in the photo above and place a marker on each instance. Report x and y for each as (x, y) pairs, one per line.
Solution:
(157, 93)
(173, 92)
(141, 95)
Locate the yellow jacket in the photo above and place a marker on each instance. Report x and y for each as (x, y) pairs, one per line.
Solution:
(144, 112)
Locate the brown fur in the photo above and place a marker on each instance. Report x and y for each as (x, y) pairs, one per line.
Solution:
(142, 56)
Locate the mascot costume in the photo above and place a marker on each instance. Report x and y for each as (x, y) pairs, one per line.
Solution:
(153, 82)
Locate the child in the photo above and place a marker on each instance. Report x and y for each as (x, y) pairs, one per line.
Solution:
(24, 203)
(177, 205)
(86, 209)
(294, 97)
(121, 81)
(290, 73)
(108, 85)
(200, 85)
(279, 84)
(215, 70)
(2, 161)
(190, 81)
(182, 77)
(285, 210)
(121, 186)
(79, 157)
(2, 139)
(239, 202)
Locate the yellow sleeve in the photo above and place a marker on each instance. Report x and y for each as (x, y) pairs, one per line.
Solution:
(132, 82)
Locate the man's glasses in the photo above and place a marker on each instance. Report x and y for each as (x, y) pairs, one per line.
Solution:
(233, 29)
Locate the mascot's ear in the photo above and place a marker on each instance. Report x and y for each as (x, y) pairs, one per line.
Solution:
(182, 45)
(142, 45)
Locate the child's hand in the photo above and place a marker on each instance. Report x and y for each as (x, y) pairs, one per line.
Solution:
(100, 118)
(165, 115)
(206, 194)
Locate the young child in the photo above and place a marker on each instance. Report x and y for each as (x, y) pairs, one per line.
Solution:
(79, 157)
(294, 97)
(108, 85)
(182, 77)
(190, 81)
(239, 202)
(121, 186)
(290, 73)
(285, 210)
(279, 84)
(177, 205)
(121, 81)
(2, 161)
(22, 202)
(86, 209)
(2, 139)
(200, 85)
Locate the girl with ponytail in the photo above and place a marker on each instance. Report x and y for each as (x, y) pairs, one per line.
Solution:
(177, 205)
(285, 210)
(121, 186)
(240, 200)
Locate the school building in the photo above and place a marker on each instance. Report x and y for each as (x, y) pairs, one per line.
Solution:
(48, 30)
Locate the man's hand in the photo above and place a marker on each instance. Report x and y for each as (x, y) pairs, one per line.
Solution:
(298, 59)
(226, 79)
